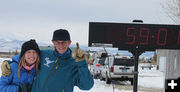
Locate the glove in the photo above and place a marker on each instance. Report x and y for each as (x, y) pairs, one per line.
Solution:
(25, 88)
(78, 53)
(5, 68)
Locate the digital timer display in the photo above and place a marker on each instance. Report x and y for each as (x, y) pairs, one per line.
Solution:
(128, 36)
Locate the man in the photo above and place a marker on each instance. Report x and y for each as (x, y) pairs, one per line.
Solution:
(59, 71)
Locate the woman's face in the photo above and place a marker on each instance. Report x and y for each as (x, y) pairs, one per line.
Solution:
(30, 57)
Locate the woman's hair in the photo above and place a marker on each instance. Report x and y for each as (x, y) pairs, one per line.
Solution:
(23, 61)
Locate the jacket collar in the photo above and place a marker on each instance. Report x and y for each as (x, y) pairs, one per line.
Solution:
(67, 54)
(16, 58)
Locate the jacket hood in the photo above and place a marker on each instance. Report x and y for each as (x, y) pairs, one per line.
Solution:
(16, 58)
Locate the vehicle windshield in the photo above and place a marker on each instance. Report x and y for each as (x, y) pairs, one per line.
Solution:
(124, 62)
(101, 61)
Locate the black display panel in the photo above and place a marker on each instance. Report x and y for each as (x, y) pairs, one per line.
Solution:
(127, 36)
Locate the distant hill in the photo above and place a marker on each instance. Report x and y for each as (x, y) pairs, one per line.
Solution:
(7, 45)
(10, 45)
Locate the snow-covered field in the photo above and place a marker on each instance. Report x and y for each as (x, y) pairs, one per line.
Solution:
(147, 79)
(151, 79)
(101, 86)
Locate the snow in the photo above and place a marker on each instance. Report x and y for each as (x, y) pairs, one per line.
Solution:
(100, 86)
(147, 78)
(151, 78)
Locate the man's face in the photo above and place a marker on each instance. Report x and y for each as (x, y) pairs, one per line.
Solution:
(61, 46)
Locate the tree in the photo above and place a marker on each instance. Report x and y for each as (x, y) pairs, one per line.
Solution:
(9, 53)
(16, 52)
(154, 58)
(172, 9)
(117, 54)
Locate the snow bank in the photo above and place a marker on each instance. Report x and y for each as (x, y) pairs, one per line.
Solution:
(101, 86)
(151, 78)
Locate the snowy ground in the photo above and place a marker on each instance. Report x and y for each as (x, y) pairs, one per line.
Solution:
(148, 81)
(101, 86)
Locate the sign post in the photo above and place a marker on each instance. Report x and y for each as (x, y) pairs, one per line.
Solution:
(136, 53)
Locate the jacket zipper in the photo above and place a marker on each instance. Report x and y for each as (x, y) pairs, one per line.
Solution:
(57, 66)
(49, 74)
(62, 90)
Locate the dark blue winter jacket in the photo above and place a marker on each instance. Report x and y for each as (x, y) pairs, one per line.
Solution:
(60, 73)
(12, 82)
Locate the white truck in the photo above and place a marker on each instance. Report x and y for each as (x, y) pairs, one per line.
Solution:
(95, 67)
(117, 68)
(147, 65)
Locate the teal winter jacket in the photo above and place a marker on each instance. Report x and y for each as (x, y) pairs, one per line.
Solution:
(61, 73)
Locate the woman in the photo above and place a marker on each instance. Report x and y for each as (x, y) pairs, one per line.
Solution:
(24, 67)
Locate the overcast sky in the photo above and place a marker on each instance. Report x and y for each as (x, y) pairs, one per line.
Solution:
(27, 19)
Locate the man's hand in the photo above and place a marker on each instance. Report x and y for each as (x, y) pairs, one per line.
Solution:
(5, 68)
(78, 53)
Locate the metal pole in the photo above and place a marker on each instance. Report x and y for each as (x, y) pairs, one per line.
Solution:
(136, 53)
(135, 81)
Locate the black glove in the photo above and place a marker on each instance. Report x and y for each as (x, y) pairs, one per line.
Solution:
(25, 88)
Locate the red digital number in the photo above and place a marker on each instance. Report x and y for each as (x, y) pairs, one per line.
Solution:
(145, 36)
(130, 35)
(178, 37)
(164, 41)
